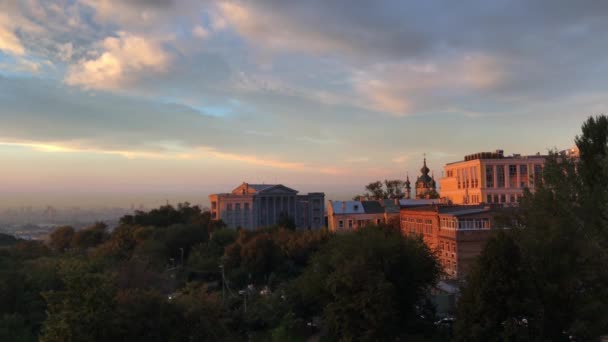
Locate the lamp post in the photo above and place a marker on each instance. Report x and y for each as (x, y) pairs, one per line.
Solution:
(244, 294)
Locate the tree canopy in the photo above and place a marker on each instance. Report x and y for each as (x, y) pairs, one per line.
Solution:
(549, 277)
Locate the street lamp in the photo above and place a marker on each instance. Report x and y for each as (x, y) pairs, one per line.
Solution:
(244, 294)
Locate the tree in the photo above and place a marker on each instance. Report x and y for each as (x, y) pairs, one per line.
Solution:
(563, 253)
(394, 188)
(375, 190)
(7, 240)
(368, 285)
(61, 238)
(286, 222)
(14, 328)
(495, 306)
(90, 236)
(81, 311)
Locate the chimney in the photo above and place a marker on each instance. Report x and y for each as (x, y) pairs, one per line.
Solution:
(343, 206)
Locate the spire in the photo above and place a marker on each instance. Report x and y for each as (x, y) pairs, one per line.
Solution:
(408, 188)
(425, 170)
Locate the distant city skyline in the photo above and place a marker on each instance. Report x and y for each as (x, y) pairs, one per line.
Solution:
(108, 102)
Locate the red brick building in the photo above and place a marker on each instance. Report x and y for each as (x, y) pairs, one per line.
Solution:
(457, 234)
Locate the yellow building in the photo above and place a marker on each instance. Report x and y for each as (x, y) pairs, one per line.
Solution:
(490, 177)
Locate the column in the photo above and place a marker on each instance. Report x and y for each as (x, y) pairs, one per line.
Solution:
(495, 178)
(518, 175)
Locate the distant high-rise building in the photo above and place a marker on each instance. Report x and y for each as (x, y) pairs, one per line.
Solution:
(259, 205)
(490, 177)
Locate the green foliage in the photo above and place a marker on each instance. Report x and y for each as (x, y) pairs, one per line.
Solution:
(496, 303)
(553, 271)
(90, 237)
(268, 255)
(7, 240)
(167, 215)
(394, 188)
(368, 285)
(286, 222)
(14, 328)
(61, 238)
(82, 309)
(375, 190)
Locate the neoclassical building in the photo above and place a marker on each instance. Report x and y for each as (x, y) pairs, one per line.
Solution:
(250, 206)
(491, 177)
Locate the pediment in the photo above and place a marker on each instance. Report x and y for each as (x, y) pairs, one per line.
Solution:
(279, 189)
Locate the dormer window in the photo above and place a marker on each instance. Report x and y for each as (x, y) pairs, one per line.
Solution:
(356, 207)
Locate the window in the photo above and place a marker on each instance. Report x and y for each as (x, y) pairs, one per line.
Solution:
(489, 177)
(246, 205)
(350, 224)
(356, 207)
(378, 221)
(237, 206)
(503, 198)
(500, 176)
(512, 176)
(512, 200)
(213, 205)
(229, 206)
(523, 176)
(538, 173)
(341, 224)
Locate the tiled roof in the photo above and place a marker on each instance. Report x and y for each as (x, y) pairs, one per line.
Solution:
(347, 207)
(390, 206)
(372, 207)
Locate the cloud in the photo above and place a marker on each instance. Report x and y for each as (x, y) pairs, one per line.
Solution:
(406, 88)
(69, 120)
(119, 63)
(201, 153)
(10, 43)
(200, 32)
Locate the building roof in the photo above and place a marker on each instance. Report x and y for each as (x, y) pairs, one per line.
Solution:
(454, 210)
(390, 206)
(499, 154)
(260, 187)
(465, 211)
(372, 207)
(418, 202)
(347, 207)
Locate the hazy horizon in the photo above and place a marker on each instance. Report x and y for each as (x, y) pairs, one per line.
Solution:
(112, 102)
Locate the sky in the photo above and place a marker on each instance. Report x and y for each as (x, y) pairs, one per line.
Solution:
(107, 102)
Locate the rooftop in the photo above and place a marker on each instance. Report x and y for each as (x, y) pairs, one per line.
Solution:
(498, 154)
(372, 207)
(455, 210)
(347, 207)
